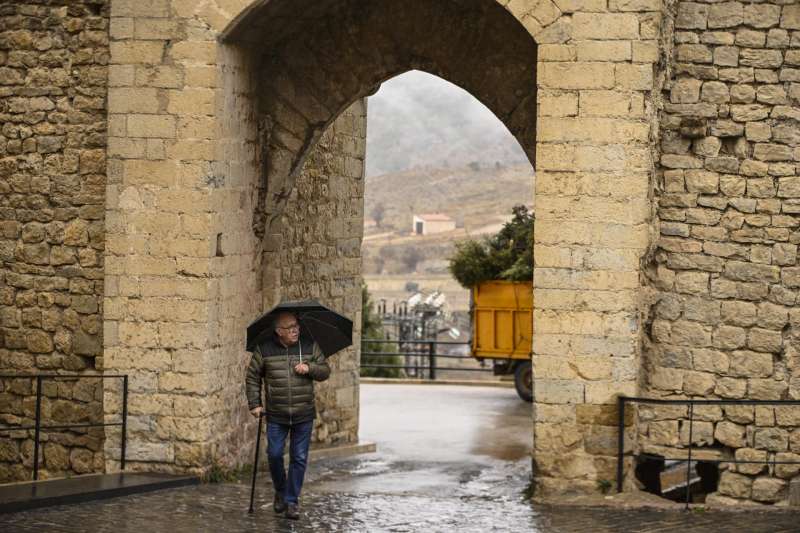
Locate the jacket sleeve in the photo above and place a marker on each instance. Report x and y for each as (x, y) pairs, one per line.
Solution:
(318, 367)
(253, 380)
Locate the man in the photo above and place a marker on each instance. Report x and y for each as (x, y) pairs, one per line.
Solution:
(289, 365)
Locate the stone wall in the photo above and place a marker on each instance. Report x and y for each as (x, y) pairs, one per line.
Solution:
(193, 256)
(318, 255)
(593, 227)
(53, 57)
(224, 194)
(725, 322)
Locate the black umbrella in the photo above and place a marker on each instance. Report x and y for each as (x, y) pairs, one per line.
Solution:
(330, 330)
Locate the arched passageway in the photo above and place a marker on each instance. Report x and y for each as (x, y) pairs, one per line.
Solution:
(313, 62)
(257, 194)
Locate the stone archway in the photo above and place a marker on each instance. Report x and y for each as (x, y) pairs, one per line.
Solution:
(313, 67)
(211, 130)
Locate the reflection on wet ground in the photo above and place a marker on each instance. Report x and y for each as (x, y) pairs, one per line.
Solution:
(446, 423)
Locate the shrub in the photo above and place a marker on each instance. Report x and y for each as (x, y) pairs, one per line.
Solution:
(508, 255)
(371, 328)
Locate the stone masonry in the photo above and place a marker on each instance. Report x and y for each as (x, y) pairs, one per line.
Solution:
(53, 72)
(725, 323)
(216, 108)
(172, 168)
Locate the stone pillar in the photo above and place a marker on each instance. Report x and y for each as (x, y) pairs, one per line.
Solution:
(188, 262)
(168, 209)
(593, 220)
(195, 159)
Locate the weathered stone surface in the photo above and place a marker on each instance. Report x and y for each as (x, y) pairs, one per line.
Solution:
(757, 460)
(771, 439)
(52, 155)
(768, 489)
(730, 434)
(734, 485)
(726, 145)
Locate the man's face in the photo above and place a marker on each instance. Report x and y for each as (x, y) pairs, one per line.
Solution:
(287, 329)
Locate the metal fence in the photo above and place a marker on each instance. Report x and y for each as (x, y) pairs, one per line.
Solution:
(622, 401)
(37, 427)
(420, 357)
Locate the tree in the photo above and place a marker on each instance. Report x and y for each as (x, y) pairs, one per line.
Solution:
(372, 328)
(378, 214)
(411, 258)
(508, 255)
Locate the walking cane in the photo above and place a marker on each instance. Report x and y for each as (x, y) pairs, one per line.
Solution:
(255, 465)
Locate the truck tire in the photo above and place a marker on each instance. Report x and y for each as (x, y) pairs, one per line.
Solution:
(523, 381)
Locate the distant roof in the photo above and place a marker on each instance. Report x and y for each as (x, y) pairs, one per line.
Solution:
(435, 217)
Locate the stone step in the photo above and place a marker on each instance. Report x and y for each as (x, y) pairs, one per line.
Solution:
(35, 494)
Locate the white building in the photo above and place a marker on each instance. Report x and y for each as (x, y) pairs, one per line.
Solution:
(432, 223)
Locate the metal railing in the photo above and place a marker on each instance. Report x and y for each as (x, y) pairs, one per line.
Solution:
(623, 400)
(37, 427)
(417, 351)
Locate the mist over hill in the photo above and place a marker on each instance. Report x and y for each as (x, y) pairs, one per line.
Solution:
(417, 120)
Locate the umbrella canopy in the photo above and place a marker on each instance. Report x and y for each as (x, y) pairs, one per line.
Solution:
(330, 330)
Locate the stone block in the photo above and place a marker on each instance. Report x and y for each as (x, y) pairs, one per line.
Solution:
(730, 434)
(702, 433)
(790, 17)
(758, 460)
(750, 364)
(137, 52)
(787, 471)
(559, 392)
(132, 100)
(191, 101)
(691, 15)
(686, 91)
(768, 489)
(764, 340)
(605, 26)
(771, 439)
(576, 75)
(734, 485)
(141, 8)
(663, 433)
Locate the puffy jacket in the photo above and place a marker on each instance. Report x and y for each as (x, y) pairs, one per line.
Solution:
(289, 395)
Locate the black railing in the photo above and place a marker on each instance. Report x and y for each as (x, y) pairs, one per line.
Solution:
(417, 351)
(37, 427)
(623, 400)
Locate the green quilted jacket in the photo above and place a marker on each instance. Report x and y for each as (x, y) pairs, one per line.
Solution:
(289, 396)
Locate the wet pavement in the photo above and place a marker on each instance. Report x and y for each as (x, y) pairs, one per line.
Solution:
(449, 459)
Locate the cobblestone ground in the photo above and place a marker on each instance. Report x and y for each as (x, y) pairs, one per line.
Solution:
(477, 507)
(473, 477)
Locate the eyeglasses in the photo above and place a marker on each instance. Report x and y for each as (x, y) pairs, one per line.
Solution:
(293, 327)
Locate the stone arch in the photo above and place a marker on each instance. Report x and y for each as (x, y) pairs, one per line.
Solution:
(197, 160)
(313, 67)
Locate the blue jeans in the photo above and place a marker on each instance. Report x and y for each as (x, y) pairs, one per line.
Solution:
(300, 439)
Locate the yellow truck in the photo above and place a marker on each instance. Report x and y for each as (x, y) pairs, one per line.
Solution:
(502, 330)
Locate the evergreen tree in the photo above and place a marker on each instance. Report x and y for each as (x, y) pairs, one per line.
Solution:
(371, 328)
(508, 255)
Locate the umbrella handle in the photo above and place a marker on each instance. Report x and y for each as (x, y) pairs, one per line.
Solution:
(255, 464)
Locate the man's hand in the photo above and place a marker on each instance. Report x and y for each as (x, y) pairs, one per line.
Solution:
(301, 368)
(256, 411)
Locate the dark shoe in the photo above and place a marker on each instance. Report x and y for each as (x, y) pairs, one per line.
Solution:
(278, 504)
(293, 511)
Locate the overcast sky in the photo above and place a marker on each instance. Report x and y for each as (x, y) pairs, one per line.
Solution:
(419, 120)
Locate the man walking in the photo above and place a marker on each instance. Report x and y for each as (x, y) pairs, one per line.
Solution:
(288, 364)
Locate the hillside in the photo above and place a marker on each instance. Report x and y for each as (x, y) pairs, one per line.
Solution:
(474, 197)
(479, 199)
(417, 120)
